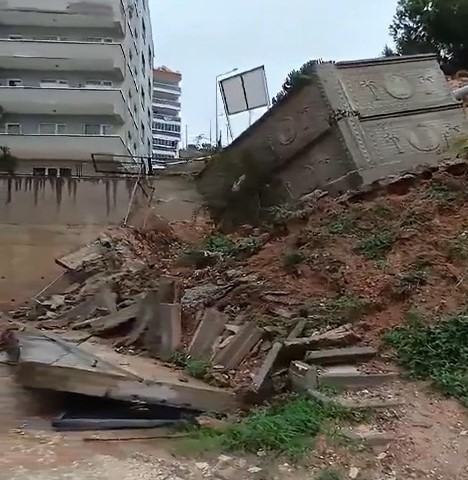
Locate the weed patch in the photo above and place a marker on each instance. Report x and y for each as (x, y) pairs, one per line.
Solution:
(458, 248)
(437, 352)
(442, 195)
(376, 246)
(195, 367)
(217, 248)
(329, 474)
(341, 225)
(335, 311)
(291, 260)
(285, 429)
(411, 280)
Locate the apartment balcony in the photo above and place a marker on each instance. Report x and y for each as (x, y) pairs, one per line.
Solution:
(63, 101)
(64, 147)
(167, 118)
(166, 88)
(169, 104)
(108, 14)
(62, 56)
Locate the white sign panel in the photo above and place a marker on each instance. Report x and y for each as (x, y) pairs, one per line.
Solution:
(245, 91)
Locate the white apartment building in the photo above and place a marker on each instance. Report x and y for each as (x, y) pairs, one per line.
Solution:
(166, 115)
(76, 79)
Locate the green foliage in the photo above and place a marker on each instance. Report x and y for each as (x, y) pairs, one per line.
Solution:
(8, 162)
(336, 311)
(296, 80)
(285, 429)
(330, 474)
(291, 260)
(195, 367)
(377, 245)
(437, 352)
(432, 26)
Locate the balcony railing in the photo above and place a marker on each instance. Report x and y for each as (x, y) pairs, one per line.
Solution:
(62, 56)
(163, 101)
(167, 118)
(165, 86)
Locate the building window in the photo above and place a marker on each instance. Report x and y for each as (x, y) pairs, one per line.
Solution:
(90, 129)
(39, 171)
(52, 129)
(65, 172)
(52, 83)
(94, 39)
(52, 172)
(13, 128)
(15, 82)
(15, 37)
(98, 83)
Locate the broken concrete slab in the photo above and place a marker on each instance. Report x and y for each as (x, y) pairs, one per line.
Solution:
(104, 299)
(164, 333)
(110, 322)
(77, 259)
(263, 375)
(233, 354)
(97, 370)
(303, 377)
(351, 404)
(343, 336)
(209, 329)
(297, 330)
(340, 355)
(371, 437)
(348, 376)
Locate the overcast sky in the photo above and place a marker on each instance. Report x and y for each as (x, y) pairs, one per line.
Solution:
(203, 38)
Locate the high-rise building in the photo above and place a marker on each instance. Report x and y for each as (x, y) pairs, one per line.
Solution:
(76, 79)
(166, 114)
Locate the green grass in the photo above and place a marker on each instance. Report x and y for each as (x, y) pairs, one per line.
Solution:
(376, 246)
(438, 352)
(285, 429)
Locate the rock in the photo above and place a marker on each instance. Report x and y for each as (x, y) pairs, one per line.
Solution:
(353, 472)
(202, 465)
(254, 469)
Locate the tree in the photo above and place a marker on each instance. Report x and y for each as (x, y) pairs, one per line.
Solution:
(8, 161)
(389, 52)
(296, 80)
(433, 26)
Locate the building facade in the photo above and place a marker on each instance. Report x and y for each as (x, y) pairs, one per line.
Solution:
(75, 80)
(167, 127)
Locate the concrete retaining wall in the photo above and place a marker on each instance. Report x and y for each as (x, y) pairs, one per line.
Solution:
(42, 218)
